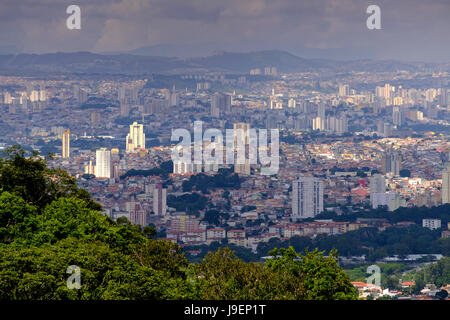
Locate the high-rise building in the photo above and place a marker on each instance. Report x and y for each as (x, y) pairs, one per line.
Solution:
(445, 190)
(186, 168)
(220, 104)
(172, 97)
(443, 97)
(321, 110)
(79, 94)
(292, 103)
(430, 94)
(103, 163)
(337, 125)
(66, 144)
(384, 129)
(388, 90)
(344, 90)
(34, 96)
(392, 200)
(125, 108)
(122, 93)
(136, 213)
(398, 116)
(377, 186)
(159, 200)
(270, 71)
(318, 124)
(89, 168)
(42, 95)
(307, 197)
(95, 118)
(136, 137)
(242, 143)
(392, 162)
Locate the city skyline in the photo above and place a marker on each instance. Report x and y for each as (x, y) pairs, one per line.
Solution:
(193, 153)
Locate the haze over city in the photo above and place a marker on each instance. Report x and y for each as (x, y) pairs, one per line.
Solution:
(334, 29)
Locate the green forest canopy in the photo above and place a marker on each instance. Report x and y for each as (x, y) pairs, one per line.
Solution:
(47, 224)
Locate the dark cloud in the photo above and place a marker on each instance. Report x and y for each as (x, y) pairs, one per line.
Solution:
(411, 29)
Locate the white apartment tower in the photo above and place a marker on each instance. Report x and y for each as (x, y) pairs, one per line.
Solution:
(136, 137)
(377, 186)
(66, 144)
(307, 197)
(103, 163)
(445, 190)
(242, 143)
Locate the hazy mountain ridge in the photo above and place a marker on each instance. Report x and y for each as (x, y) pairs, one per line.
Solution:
(87, 62)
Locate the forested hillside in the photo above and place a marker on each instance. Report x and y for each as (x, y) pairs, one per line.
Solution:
(47, 224)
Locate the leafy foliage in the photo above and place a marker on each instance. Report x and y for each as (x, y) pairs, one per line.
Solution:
(48, 224)
(225, 178)
(370, 242)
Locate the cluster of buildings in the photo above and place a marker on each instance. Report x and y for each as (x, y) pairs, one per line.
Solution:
(370, 291)
(347, 143)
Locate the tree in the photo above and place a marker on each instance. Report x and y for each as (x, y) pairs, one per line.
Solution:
(49, 224)
(162, 255)
(322, 277)
(39, 273)
(390, 282)
(405, 173)
(222, 276)
(31, 179)
(442, 294)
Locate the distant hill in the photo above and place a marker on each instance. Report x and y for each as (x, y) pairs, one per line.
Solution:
(176, 50)
(90, 63)
(283, 61)
(86, 62)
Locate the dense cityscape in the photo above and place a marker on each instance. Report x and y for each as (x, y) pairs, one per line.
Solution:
(348, 143)
(210, 151)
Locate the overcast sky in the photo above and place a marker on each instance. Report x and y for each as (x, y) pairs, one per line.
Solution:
(411, 29)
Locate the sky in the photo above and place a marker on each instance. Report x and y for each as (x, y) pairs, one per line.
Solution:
(411, 30)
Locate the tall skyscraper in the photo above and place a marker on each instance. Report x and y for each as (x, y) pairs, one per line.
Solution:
(220, 104)
(392, 162)
(79, 94)
(122, 93)
(136, 137)
(307, 197)
(445, 190)
(66, 144)
(344, 90)
(318, 123)
(136, 213)
(292, 103)
(103, 163)
(321, 110)
(398, 116)
(337, 125)
(125, 108)
(443, 97)
(242, 143)
(377, 186)
(159, 200)
(388, 90)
